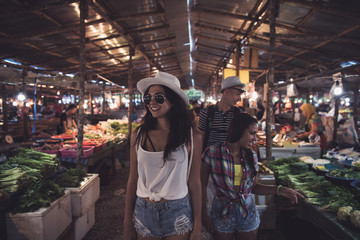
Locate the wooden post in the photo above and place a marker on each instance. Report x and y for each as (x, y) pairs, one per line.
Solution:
(280, 97)
(293, 111)
(270, 79)
(61, 102)
(80, 136)
(130, 90)
(91, 105)
(237, 57)
(336, 114)
(308, 93)
(5, 109)
(103, 97)
(355, 107)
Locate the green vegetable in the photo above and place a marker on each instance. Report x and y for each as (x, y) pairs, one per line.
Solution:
(12, 180)
(37, 195)
(350, 173)
(71, 178)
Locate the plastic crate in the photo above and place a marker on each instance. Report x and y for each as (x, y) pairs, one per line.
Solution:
(83, 197)
(43, 224)
(71, 152)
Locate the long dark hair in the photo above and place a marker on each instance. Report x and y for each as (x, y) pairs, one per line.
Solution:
(237, 127)
(181, 120)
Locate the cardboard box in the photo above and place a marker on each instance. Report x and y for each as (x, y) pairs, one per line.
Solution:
(84, 223)
(43, 224)
(85, 196)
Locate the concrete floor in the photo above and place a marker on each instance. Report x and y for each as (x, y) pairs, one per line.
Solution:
(109, 214)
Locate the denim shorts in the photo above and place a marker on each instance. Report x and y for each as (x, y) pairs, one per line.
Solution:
(235, 222)
(173, 217)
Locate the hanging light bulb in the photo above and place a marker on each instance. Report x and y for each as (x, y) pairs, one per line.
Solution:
(21, 96)
(58, 92)
(338, 89)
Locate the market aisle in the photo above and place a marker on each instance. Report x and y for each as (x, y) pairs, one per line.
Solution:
(109, 214)
(109, 211)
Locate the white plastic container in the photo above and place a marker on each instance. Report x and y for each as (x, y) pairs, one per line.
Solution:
(84, 223)
(85, 196)
(44, 224)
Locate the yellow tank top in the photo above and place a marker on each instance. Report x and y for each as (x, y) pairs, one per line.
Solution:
(238, 174)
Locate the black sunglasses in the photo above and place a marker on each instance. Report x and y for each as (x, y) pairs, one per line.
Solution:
(240, 90)
(159, 98)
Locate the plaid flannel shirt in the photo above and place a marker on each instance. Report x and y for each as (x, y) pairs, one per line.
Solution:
(221, 165)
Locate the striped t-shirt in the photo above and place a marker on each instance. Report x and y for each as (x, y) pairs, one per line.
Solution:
(220, 124)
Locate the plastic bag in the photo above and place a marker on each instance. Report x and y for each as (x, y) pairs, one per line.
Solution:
(291, 90)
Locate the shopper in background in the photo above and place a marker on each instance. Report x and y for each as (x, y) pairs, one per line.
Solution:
(214, 120)
(164, 188)
(233, 167)
(313, 125)
(67, 120)
(260, 110)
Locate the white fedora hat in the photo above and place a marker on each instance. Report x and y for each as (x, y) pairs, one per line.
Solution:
(231, 82)
(164, 79)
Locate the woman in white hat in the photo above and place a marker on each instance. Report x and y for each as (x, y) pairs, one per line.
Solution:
(163, 197)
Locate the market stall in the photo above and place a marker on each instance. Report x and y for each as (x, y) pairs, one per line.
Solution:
(331, 189)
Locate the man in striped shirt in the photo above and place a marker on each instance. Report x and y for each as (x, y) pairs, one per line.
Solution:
(214, 120)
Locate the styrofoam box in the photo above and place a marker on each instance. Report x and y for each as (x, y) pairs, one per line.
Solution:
(84, 197)
(263, 199)
(266, 179)
(84, 223)
(278, 152)
(267, 216)
(43, 224)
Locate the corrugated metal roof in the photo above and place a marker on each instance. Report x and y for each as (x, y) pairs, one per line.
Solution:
(313, 37)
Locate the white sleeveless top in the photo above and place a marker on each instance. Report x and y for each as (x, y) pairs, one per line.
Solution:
(158, 180)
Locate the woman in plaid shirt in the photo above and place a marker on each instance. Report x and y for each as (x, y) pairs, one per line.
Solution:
(233, 168)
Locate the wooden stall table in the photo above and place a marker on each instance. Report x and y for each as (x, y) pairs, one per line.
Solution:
(327, 221)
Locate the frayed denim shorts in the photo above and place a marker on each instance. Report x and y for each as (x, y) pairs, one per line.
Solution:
(173, 217)
(235, 222)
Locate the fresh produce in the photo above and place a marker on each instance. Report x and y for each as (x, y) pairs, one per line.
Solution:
(40, 161)
(282, 161)
(70, 178)
(356, 164)
(348, 173)
(116, 126)
(38, 195)
(317, 189)
(355, 219)
(344, 213)
(264, 169)
(12, 180)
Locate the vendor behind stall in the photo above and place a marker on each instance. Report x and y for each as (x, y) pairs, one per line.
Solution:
(313, 125)
(67, 119)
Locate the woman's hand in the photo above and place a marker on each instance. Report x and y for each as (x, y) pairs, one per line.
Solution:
(290, 194)
(208, 224)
